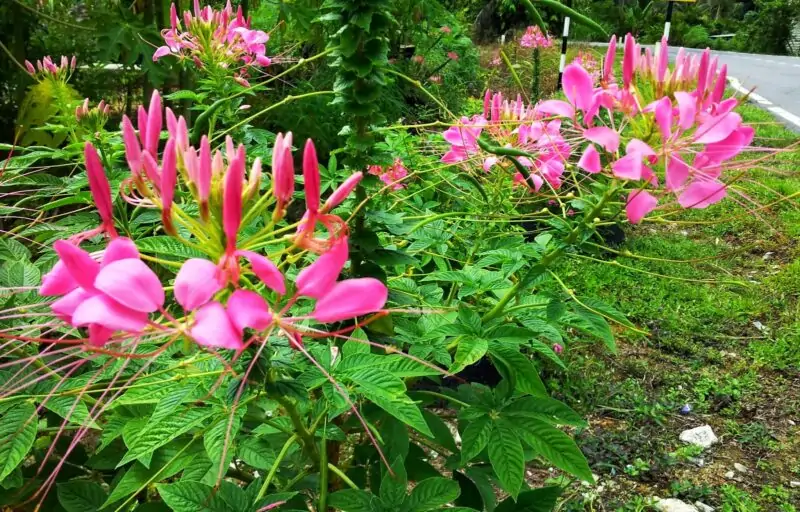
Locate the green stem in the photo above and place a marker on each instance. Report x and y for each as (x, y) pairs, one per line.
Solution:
(418, 84)
(338, 472)
(275, 465)
(305, 436)
(284, 101)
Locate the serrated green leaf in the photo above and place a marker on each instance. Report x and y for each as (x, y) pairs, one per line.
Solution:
(193, 497)
(352, 500)
(81, 496)
(526, 377)
(469, 351)
(432, 493)
(256, 452)
(507, 458)
(167, 246)
(402, 408)
(475, 438)
(556, 447)
(544, 408)
(441, 432)
(71, 408)
(543, 499)
(156, 434)
(393, 486)
(18, 428)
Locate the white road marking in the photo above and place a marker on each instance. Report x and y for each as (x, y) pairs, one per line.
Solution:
(786, 115)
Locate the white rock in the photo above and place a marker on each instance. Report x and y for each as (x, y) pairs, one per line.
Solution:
(702, 507)
(739, 467)
(794, 483)
(674, 505)
(792, 423)
(699, 436)
(730, 475)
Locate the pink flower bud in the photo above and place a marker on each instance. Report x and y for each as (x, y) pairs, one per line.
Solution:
(311, 176)
(557, 348)
(30, 68)
(283, 169)
(344, 190)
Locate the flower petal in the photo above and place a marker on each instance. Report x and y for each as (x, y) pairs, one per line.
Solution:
(248, 309)
(267, 271)
(65, 307)
(131, 283)
(717, 128)
(120, 249)
(677, 173)
(628, 167)
(702, 193)
(105, 311)
(317, 279)
(590, 160)
(556, 108)
(578, 86)
(80, 265)
(213, 328)
(351, 298)
(640, 203)
(58, 281)
(604, 136)
(197, 281)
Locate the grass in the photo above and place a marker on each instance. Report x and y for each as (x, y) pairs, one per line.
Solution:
(730, 349)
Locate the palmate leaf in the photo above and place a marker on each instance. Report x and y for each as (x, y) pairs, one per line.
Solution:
(469, 351)
(545, 409)
(402, 408)
(536, 500)
(525, 376)
(194, 497)
(72, 409)
(18, 427)
(352, 500)
(393, 486)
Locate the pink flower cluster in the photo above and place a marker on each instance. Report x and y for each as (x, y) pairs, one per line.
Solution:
(46, 68)
(217, 38)
(534, 38)
(83, 111)
(120, 293)
(693, 139)
(588, 62)
(392, 175)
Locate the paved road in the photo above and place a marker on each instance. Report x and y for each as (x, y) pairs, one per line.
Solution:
(776, 80)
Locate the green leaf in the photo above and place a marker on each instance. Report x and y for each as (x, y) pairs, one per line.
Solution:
(526, 377)
(19, 273)
(536, 500)
(556, 447)
(545, 409)
(193, 497)
(352, 500)
(18, 428)
(11, 249)
(156, 434)
(393, 486)
(71, 408)
(469, 351)
(377, 381)
(81, 496)
(351, 347)
(507, 458)
(432, 493)
(441, 432)
(475, 438)
(166, 462)
(573, 14)
(256, 452)
(167, 246)
(402, 408)
(469, 317)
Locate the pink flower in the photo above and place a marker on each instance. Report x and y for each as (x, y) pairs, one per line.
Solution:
(113, 296)
(534, 38)
(419, 59)
(436, 79)
(452, 55)
(445, 29)
(463, 139)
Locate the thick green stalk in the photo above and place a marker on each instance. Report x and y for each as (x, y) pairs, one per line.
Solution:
(275, 466)
(302, 432)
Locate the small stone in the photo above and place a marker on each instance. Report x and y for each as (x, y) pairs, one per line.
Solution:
(767, 255)
(674, 505)
(698, 461)
(739, 467)
(758, 325)
(794, 484)
(686, 409)
(730, 475)
(792, 423)
(702, 507)
(699, 436)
